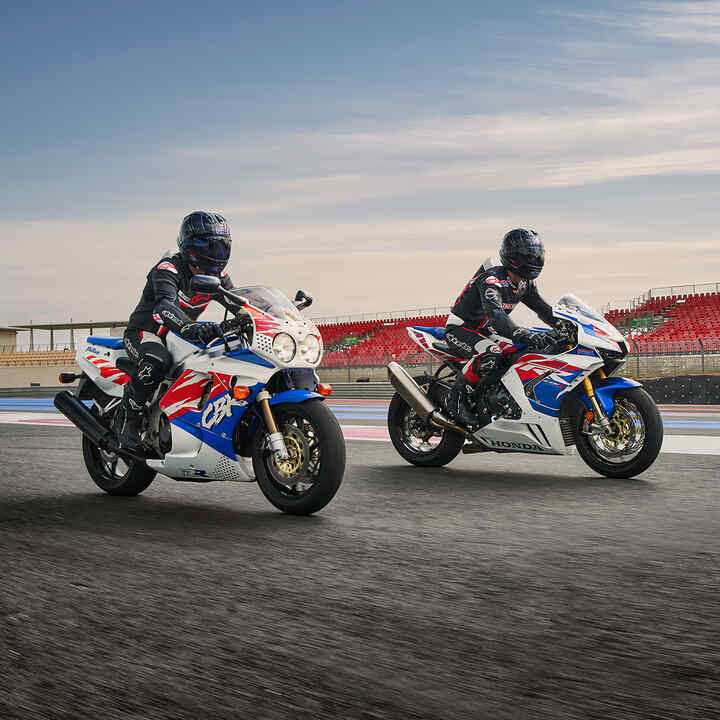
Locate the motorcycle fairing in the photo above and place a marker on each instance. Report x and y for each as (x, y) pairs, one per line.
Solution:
(426, 336)
(605, 392)
(249, 356)
(294, 396)
(98, 362)
(546, 379)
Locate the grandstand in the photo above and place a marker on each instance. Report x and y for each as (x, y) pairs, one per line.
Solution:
(37, 358)
(674, 323)
(373, 342)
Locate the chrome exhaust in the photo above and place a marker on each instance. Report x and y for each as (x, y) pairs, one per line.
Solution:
(413, 395)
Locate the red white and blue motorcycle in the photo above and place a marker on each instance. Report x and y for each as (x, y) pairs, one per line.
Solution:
(548, 403)
(246, 407)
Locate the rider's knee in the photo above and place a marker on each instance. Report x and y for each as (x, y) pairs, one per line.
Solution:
(151, 369)
(480, 367)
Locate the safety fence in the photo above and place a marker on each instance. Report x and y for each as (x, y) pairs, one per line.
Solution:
(368, 361)
(669, 291)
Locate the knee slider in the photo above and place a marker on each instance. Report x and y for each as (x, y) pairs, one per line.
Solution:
(150, 370)
(483, 364)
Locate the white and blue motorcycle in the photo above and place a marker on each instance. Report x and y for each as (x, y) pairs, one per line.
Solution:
(548, 403)
(246, 407)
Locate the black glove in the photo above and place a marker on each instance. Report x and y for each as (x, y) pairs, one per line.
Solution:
(241, 323)
(540, 342)
(202, 333)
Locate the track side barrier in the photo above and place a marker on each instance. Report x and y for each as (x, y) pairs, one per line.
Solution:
(680, 390)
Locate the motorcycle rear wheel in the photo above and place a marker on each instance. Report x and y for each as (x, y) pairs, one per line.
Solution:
(311, 476)
(637, 440)
(112, 474)
(416, 442)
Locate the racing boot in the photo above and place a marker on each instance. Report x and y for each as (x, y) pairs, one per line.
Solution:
(129, 435)
(456, 405)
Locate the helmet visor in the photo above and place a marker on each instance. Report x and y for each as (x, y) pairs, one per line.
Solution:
(212, 248)
(210, 254)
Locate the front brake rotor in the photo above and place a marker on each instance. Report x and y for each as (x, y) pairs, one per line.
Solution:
(292, 470)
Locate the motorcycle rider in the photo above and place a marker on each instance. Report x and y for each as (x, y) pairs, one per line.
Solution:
(167, 303)
(479, 327)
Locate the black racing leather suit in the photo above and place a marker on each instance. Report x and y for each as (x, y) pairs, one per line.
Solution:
(482, 312)
(167, 303)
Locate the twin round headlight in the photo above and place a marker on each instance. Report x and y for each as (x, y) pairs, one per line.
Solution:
(310, 349)
(285, 348)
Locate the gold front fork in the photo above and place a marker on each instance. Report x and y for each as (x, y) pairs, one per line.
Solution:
(596, 405)
(593, 400)
(276, 442)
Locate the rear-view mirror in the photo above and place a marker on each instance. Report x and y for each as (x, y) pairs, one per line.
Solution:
(206, 284)
(302, 300)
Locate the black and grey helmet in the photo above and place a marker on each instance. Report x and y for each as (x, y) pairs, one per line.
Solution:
(205, 242)
(523, 252)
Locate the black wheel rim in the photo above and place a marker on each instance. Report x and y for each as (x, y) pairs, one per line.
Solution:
(296, 476)
(113, 469)
(416, 435)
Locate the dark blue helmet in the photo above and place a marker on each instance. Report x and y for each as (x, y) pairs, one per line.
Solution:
(204, 240)
(523, 252)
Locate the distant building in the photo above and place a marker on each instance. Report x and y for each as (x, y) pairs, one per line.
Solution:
(8, 339)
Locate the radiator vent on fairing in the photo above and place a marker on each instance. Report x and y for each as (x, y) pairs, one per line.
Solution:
(263, 343)
(567, 431)
(227, 470)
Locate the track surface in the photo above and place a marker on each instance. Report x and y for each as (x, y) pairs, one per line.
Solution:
(499, 587)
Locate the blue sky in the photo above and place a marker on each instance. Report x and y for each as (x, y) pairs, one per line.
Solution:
(372, 154)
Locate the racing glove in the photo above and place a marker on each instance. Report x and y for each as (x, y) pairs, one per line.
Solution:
(202, 333)
(540, 342)
(242, 323)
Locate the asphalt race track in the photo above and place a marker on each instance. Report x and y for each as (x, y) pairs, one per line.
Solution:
(502, 586)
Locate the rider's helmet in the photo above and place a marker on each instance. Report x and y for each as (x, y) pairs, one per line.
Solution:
(204, 241)
(523, 252)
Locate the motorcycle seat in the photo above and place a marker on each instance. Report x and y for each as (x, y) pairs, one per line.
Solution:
(443, 347)
(436, 332)
(108, 342)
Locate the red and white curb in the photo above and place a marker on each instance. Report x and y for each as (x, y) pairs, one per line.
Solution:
(683, 444)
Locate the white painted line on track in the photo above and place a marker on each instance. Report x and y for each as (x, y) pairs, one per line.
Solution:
(691, 444)
(34, 418)
(678, 444)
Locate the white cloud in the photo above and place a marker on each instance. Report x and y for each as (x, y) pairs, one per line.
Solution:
(654, 118)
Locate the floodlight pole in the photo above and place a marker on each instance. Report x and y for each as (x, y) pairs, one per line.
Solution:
(702, 356)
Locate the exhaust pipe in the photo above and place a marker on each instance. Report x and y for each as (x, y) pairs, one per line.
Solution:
(413, 395)
(81, 417)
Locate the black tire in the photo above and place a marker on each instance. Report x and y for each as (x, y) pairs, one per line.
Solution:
(325, 451)
(445, 451)
(651, 445)
(133, 481)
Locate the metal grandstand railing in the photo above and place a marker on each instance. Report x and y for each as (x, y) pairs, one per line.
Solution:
(667, 291)
(367, 360)
(386, 315)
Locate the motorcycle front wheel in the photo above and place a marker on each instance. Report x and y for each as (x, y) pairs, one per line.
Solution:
(632, 443)
(308, 480)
